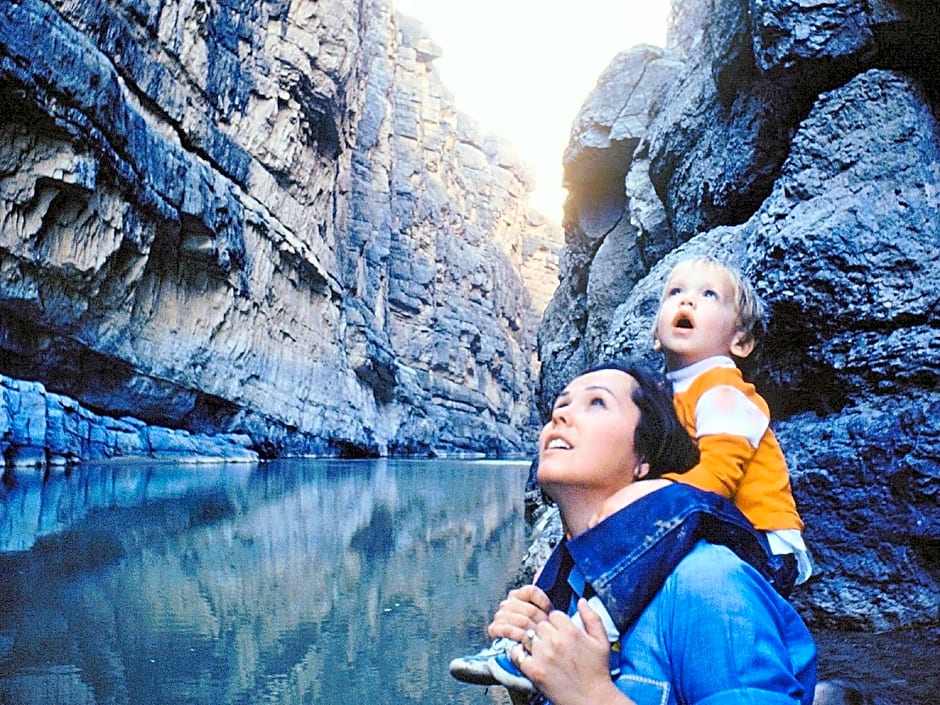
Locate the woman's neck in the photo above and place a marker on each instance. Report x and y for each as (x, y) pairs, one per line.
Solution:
(580, 511)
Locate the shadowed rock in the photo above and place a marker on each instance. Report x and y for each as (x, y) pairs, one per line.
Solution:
(801, 141)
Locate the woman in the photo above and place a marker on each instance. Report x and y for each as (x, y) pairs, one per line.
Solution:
(681, 572)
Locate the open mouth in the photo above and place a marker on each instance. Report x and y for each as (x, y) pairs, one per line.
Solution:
(683, 321)
(558, 443)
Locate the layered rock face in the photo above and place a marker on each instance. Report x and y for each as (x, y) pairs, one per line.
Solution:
(800, 140)
(262, 219)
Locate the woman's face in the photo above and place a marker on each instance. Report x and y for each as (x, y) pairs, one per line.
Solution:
(588, 442)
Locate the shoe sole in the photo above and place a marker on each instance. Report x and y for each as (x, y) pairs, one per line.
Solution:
(476, 672)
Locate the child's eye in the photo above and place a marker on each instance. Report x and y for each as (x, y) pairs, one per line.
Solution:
(710, 294)
(674, 291)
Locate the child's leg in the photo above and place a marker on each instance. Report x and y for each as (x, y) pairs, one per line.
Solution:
(613, 634)
(595, 604)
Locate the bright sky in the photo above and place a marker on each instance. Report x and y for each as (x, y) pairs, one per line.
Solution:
(522, 68)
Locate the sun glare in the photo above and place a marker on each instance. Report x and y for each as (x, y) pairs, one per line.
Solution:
(523, 68)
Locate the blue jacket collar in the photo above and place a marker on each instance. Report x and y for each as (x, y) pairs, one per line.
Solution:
(627, 557)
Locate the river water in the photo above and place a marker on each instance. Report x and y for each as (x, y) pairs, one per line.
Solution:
(314, 581)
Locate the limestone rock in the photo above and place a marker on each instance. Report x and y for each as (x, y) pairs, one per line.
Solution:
(40, 429)
(263, 219)
(800, 140)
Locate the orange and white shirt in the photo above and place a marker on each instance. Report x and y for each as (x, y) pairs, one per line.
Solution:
(740, 457)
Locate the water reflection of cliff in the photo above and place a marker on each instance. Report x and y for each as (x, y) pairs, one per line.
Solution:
(325, 582)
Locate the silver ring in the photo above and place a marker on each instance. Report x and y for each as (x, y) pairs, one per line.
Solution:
(529, 641)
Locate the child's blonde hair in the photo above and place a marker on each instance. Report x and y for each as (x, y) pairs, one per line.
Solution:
(749, 306)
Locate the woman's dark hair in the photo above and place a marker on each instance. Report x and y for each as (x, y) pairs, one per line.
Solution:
(660, 439)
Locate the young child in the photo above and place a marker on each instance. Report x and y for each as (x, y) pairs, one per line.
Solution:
(709, 319)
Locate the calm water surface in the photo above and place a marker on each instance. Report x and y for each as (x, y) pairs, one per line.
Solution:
(291, 582)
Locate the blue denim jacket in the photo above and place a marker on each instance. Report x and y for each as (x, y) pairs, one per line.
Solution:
(686, 579)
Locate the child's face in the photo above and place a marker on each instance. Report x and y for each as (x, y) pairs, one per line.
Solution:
(698, 317)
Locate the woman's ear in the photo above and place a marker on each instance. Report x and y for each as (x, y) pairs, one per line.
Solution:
(742, 345)
(641, 471)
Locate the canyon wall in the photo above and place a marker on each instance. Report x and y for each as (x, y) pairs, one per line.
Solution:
(265, 223)
(801, 141)
(262, 219)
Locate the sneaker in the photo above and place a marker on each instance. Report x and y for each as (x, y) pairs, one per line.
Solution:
(475, 668)
(507, 674)
(491, 666)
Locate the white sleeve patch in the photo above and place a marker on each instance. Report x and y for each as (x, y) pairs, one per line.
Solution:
(726, 409)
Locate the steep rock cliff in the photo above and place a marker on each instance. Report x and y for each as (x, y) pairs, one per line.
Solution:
(262, 218)
(801, 140)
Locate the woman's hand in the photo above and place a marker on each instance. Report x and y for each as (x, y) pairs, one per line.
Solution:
(568, 664)
(523, 609)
